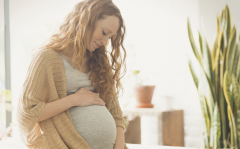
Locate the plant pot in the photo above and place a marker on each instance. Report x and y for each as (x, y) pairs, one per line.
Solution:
(143, 96)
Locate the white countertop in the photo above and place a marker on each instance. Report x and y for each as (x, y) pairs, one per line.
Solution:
(10, 143)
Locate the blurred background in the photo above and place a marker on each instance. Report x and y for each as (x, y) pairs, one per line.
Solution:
(156, 42)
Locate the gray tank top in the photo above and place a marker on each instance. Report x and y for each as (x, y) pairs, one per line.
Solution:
(94, 123)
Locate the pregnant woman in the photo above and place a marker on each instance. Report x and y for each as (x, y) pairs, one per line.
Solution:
(69, 97)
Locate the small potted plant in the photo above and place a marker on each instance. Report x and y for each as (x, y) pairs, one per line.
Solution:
(143, 93)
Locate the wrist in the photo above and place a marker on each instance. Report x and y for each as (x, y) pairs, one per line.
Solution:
(73, 100)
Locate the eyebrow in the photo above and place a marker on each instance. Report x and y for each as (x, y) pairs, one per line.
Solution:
(108, 29)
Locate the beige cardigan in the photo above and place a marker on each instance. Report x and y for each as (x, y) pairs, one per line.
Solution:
(46, 82)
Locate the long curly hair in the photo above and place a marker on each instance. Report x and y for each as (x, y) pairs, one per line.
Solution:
(107, 66)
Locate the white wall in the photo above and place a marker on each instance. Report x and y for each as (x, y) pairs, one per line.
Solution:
(157, 43)
(208, 11)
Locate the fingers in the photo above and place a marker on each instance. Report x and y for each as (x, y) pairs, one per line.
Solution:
(98, 99)
(94, 96)
(101, 103)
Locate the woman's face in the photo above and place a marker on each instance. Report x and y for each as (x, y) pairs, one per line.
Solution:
(104, 30)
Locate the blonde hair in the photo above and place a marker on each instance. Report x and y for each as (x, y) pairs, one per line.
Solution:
(105, 66)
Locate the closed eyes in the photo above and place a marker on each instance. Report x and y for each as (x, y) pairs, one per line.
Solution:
(105, 34)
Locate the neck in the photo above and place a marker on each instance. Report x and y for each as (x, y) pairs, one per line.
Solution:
(68, 52)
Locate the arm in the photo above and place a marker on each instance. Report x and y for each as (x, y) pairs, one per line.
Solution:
(53, 108)
(119, 143)
(32, 98)
(116, 112)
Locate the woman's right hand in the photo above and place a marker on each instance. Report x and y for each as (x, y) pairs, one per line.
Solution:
(85, 97)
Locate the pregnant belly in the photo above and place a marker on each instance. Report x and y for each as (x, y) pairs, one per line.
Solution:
(95, 124)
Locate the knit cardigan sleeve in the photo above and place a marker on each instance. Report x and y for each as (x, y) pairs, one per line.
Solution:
(116, 112)
(31, 101)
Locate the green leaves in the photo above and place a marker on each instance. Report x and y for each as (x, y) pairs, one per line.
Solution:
(216, 126)
(195, 78)
(136, 72)
(221, 67)
(206, 118)
(206, 59)
(231, 50)
(206, 64)
(235, 89)
(233, 129)
(235, 60)
(227, 88)
(238, 60)
(231, 91)
(194, 47)
(228, 22)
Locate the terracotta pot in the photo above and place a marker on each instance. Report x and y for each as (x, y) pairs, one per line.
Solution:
(144, 95)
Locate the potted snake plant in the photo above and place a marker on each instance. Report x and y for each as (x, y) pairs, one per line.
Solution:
(221, 66)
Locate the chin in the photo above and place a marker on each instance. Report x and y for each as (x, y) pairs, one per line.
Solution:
(91, 50)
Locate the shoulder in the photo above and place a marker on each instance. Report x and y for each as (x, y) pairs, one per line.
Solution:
(44, 52)
(45, 57)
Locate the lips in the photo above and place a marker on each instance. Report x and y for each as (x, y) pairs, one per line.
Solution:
(96, 45)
